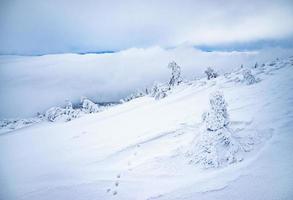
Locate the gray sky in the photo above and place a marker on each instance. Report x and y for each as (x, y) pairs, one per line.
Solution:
(54, 26)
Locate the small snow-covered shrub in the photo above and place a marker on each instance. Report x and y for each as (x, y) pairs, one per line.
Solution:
(13, 124)
(55, 114)
(88, 106)
(248, 78)
(132, 96)
(159, 91)
(62, 114)
(154, 90)
(211, 73)
(176, 74)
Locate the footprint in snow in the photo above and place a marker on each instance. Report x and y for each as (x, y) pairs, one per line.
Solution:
(115, 192)
(108, 190)
(116, 183)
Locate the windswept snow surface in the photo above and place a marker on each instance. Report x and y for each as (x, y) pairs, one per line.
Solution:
(136, 150)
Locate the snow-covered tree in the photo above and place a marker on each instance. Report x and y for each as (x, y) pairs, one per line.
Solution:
(211, 73)
(248, 78)
(70, 112)
(216, 145)
(175, 74)
(88, 106)
(217, 117)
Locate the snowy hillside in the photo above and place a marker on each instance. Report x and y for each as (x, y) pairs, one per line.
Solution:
(145, 148)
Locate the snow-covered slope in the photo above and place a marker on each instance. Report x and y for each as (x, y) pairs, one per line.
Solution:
(137, 150)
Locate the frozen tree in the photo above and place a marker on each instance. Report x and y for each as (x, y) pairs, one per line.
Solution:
(55, 114)
(216, 145)
(211, 73)
(175, 74)
(154, 90)
(62, 114)
(248, 78)
(70, 112)
(88, 106)
(217, 117)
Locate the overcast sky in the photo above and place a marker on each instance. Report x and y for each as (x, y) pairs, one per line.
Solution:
(58, 26)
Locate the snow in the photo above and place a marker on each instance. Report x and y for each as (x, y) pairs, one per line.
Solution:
(137, 150)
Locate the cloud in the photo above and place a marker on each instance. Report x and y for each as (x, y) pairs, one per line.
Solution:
(29, 84)
(40, 27)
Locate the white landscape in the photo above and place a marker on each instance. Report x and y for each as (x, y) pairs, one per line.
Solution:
(154, 120)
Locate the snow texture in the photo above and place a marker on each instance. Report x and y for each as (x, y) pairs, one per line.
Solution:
(137, 150)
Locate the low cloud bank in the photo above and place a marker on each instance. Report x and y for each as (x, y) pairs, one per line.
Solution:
(29, 84)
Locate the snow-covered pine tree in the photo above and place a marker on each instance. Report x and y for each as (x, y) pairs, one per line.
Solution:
(216, 146)
(217, 117)
(211, 73)
(175, 74)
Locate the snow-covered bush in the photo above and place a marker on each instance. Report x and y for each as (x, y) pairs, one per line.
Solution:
(248, 78)
(175, 74)
(133, 96)
(56, 114)
(211, 73)
(216, 148)
(13, 124)
(62, 114)
(216, 145)
(88, 106)
(159, 91)
(70, 112)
